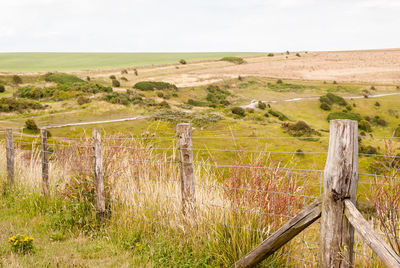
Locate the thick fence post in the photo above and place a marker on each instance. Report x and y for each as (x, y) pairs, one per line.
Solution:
(10, 156)
(185, 150)
(340, 183)
(45, 162)
(98, 175)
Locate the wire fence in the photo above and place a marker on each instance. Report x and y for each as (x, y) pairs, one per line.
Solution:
(241, 191)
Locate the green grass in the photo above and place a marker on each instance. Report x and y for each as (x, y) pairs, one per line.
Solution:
(86, 61)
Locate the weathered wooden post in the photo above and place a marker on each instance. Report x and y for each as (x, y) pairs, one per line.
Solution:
(340, 183)
(10, 156)
(45, 162)
(185, 150)
(98, 175)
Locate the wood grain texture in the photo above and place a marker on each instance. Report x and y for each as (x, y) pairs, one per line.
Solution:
(288, 231)
(45, 162)
(340, 183)
(385, 253)
(185, 150)
(98, 175)
(10, 156)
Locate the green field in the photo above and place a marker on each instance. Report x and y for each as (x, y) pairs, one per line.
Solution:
(15, 62)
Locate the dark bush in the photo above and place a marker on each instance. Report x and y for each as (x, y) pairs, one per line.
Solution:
(261, 105)
(266, 114)
(112, 77)
(62, 78)
(365, 125)
(123, 78)
(182, 61)
(240, 78)
(349, 108)
(299, 129)
(20, 105)
(136, 72)
(196, 103)
(368, 149)
(175, 95)
(164, 104)
(236, 60)
(341, 115)
(279, 81)
(30, 125)
(396, 132)
(271, 54)
(299, 152)
(334, 82)
(298, 55)
(150, 85)
(16, 79)
(82, 100)
(278, 114)
(124, 71)
(373, 88)
(377, 120)
(238, 111)
(160, 94)
(325, 106)
(115, 83)
(333, 99)
(2, 88)
(87, 78)
(377, 104)
(122, 98)
(249, 110)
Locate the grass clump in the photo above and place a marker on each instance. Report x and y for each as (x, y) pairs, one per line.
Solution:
(299, 129)
(151, 85)
(235, 60)
(18, 105)
(21, 243)
(343, 115)
(278, 114)
(62, 78)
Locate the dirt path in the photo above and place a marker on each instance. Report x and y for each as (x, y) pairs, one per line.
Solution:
(253, 103)
(98, 122)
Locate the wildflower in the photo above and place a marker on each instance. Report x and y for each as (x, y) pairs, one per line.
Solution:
(30, 194)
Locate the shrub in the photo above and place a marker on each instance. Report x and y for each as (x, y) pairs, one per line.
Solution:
(249, 110)
(196, 103)
(299, 152)
(124, 71)
(164, 104)
(299, 129)
(271, 54)
(62, 78)
(160, 94)
(14, 104)
(21, 243)
(117, 98)
(261, 105)
(30, 125)
(379, 121)
(2, 88)
(238, 111)
(87, 78)
(334, 82)
(396, 132)
(298, 55)
(372, 88)
(175, 95)
(112, 77)
(342, 115)
(333, 99)
(115, 83)
(240, 78)
(279, 81)
(150, 85)
(136, 72)
(365, 125)
(123, 78)
(278, 114)
(235, 60)
(325, 106)
(368, 149)
(182, 61)
(82, 100)
(16, 79)
(377, 104)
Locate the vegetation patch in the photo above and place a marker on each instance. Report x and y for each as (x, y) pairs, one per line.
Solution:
(62, 78)
(281, 116)
(151, 85)
(182, 117)
(280, 86)
(330, 99)
(299, 129)
(343, 115)
(19, 105)
(235, 60)
(122, 98)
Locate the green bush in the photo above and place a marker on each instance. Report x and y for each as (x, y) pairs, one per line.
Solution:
(271, 54)
(164, 105)
(124, 71)
(122, 98)
(279, 81)
(30, 125)
(13, 104)
(112, 77)
(397, 132)
(333, 99)
(261, 105)
(249, 110)
(299, 129)
(2, 88)
(341, 115)
(62, 78)
(115, 83)
(325, 106)
(182, 61)
(298, 55)
(365, 125)
(377, 104)
(278, 114)
(377, 120)
(150, 85)
(160, 94)
(235, 60)
(238, 111)
(16, 79)
(123, 78)
(82, 100)
(196, 103)
(367, 149)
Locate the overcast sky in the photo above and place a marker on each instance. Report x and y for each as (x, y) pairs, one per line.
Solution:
(201, 25)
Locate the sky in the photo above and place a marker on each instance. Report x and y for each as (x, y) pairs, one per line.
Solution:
(197, 26)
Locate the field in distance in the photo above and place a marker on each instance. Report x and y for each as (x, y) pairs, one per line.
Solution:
(32, 62)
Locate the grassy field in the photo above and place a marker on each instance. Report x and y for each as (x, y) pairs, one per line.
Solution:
(18, 62)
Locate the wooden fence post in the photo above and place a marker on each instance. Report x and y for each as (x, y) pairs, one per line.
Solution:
(45, 162)
(10, 156)
(340, 183)
(98, 175)
(185, 150)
